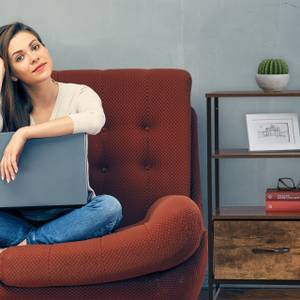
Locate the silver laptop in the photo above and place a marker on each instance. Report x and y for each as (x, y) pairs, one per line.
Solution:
(51, 172)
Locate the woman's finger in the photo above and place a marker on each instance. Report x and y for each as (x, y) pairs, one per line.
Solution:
(6, 173)
(6, 169)
(2, 169)
(6, 166)
(15, 164)
(10, 168)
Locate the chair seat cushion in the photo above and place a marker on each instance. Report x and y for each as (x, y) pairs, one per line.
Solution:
(168, 235)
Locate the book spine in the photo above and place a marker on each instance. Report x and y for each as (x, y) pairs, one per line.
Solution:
(287, 206)
(282, 195)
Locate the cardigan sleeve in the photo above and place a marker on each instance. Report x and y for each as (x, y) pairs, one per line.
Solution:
(89, 117)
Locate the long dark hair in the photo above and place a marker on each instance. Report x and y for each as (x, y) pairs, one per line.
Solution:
(16, 104)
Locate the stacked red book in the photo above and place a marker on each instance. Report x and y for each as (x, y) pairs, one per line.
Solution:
(282, 201)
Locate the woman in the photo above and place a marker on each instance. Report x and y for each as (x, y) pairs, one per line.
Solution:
(33, 105)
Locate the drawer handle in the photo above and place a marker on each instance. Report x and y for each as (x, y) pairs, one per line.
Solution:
(270, 250)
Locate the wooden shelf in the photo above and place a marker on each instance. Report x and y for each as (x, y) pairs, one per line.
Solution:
(245, 153)
(252, 213)
(256, 93)
(239, 218)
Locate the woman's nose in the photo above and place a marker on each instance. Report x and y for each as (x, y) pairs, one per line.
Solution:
(33, 57)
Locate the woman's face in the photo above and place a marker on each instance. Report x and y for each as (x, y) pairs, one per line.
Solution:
(26, 53)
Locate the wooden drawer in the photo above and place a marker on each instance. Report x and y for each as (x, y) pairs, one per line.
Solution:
(252, 249)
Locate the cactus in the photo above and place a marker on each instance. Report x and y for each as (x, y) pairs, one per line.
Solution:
(273, 66)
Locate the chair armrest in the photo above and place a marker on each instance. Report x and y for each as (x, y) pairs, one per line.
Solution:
(168, 235)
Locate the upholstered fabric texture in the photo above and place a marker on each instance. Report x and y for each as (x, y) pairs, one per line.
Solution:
(147, 156)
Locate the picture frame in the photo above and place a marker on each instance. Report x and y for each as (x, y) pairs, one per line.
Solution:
(273, 131)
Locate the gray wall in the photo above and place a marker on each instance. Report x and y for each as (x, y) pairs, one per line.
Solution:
(220, 42)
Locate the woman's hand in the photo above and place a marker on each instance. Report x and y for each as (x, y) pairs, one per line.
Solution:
(11, 155)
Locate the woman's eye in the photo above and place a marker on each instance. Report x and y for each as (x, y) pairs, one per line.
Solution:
(36, 46)
(18, 57)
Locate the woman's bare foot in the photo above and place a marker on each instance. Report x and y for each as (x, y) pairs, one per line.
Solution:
(23, 243)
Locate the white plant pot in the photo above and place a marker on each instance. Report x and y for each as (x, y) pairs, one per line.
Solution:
(274, 83)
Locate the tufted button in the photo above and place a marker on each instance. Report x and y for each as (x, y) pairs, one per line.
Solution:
(104, 169)
(147, 127)
(148, 166)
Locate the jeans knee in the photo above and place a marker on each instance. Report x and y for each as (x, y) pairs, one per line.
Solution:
(110, 204)
(114, 207)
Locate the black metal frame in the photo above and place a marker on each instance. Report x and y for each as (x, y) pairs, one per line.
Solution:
(213, 287)
(213, 130)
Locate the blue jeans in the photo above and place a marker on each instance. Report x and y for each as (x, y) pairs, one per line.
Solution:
(98, 217)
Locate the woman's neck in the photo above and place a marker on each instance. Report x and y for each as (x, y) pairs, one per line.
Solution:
(44, 94)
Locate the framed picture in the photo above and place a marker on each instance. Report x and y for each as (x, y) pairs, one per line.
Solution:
(273, 131)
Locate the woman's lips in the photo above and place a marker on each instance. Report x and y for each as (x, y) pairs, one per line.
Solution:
(40, 68)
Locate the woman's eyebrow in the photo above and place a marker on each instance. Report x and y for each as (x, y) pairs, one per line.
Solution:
(22, 50)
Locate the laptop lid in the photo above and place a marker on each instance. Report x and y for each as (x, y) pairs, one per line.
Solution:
(51, 172)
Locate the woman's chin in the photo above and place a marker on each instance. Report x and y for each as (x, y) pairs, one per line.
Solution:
(38, 79)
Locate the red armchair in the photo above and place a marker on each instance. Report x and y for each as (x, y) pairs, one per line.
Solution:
(147, 156)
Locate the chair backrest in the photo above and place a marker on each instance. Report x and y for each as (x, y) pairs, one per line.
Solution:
(144, 150)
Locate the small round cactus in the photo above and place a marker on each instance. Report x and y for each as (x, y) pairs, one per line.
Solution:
(273, 66)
